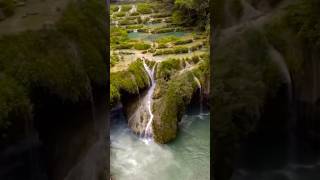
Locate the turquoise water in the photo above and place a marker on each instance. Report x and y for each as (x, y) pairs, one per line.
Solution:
(153, 37)
(186, 158)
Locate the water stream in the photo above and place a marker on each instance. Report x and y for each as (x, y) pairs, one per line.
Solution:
(148, 101)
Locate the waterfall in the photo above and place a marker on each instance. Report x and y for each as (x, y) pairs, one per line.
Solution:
(133, 9)
(187, 64)
(200, 88)
(189, 50)
(119, 10)
(148, 101)
(135, 30)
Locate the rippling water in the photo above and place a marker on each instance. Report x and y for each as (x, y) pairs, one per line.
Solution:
(186, 158)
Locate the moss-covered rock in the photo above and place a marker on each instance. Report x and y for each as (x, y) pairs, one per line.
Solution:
(173, 93)
(130, 81)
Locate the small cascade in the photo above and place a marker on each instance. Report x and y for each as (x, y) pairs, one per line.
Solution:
(119, 10)
(200, 88)
(149, 31)
(133, 9)
(116, 23)
(175, 29)
(187, 64)
(189, 50)
(148, 102)
(135, 30)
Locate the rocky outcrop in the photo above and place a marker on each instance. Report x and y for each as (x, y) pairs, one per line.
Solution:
(173, 93)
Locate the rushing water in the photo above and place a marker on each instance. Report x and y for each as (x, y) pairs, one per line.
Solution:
(148, 130)
(187, 157)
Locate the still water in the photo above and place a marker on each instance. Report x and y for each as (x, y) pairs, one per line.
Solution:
(187, 157)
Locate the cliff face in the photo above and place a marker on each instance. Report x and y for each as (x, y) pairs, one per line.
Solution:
(53, 126)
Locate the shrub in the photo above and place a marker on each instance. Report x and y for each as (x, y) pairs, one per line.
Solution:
(144, 8)
(183, 41)
(120, 14)
(135, 14)
(141, 46)
(125, 8)
(114, 8)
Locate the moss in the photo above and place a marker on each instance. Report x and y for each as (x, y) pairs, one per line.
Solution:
(129, 81)
(14, 102)
(174, 50)
(135, 14)
(114, 95)
(114, 8)
(144, 8)
(120, 14)
(167, 39)
(162, 15)
(172, 106)
(127, 22)
(141, 46)
(125, 8)
(114, 59)
(124, 45)
(167, 68)
(183, 41)
(118, 36)
(165, 30)
(65, 63)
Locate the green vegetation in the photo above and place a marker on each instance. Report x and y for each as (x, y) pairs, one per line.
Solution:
(129, 81)
(172, 96)
(167, 68)
(197, 12)
(167, 39)
(64, 63)
(135, 14)
(141, 46)
(144, 8)
(125, 8)
(14, 102)
(174, 50)
(183, 41)
(127, 22)
(114, 59)
(120, 14)
(114, 8)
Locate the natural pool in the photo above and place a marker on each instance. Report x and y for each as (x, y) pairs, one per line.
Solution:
(187, 157)
(153, 37)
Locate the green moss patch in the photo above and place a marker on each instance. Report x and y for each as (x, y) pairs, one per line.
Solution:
(129, 81)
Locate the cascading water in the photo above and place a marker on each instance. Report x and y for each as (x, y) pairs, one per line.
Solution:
(187, 64)
(200, 89)
(119, 10)
(148, 101)
(133, 9)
